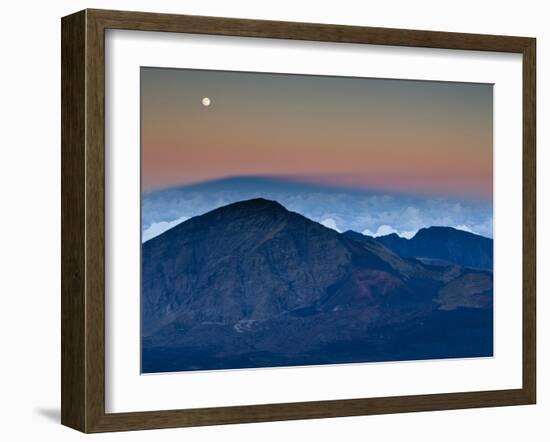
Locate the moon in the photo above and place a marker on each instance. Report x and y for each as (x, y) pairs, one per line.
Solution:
(206, 101)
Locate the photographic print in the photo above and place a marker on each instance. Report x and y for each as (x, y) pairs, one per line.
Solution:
(295, 220)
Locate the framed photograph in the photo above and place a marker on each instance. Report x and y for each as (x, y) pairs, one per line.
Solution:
(268, 221)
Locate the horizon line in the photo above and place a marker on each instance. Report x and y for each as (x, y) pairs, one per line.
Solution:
(314, 181)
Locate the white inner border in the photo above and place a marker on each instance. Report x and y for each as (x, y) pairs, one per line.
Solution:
(127, 390)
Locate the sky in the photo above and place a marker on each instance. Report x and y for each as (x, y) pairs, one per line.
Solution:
(420, 137)
(372, 155)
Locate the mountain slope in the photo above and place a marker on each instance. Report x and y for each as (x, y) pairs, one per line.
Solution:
(243, 260)
(252, 284)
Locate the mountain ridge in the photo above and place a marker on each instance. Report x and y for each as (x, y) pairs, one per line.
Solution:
(445, 244)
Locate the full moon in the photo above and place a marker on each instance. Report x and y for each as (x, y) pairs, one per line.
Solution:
(206, 101)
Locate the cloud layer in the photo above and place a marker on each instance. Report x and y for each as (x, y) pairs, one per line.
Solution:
(374, 214)
(155, 229)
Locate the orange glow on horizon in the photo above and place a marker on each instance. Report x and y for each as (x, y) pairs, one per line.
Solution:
(425, 137)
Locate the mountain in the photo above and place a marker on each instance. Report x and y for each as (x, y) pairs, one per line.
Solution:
(438, 245)
(252, 284)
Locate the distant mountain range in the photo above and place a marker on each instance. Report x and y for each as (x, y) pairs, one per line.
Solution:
(439, 245)
(252, 284)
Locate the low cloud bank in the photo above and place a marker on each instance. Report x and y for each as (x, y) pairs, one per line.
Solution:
(373, 214)
(155, 229)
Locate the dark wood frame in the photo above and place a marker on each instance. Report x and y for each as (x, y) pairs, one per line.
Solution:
(83, 216)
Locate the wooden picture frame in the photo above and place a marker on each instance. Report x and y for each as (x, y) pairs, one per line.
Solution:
(83, 219)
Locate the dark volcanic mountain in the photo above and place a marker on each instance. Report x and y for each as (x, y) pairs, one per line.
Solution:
(440, 244)
(252, 284)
